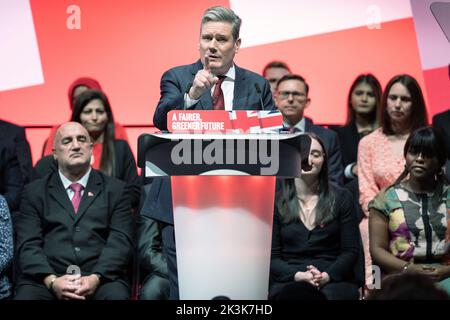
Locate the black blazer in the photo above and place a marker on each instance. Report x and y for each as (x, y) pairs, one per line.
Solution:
(349, 139)
(441, 121)
(11, 181)
(51, 237)
(22, 148)
(176, 81)
(125, 169)
(333, 248)
(332, 148)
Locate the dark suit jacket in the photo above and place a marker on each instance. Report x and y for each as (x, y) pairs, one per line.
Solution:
(175, 82)
(349, 139)
(441, 121)
(332, 148)
(11, 182)
(51, 237)
(125, 169)
(22, 148)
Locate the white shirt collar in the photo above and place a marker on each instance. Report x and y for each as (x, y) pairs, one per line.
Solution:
(83, 181)
(231, 73)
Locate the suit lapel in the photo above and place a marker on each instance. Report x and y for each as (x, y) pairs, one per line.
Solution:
(59, 194)
(92, 191)
(240, 95)
(308, 125)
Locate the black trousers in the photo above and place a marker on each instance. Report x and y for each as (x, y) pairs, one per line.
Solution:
(116, 290)
(169, 250)
(305, 291)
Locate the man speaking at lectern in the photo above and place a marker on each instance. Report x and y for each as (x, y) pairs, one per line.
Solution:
(214, 82)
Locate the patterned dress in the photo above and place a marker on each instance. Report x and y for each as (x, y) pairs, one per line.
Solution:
(6, 248)
(419, 224)
(378, 168)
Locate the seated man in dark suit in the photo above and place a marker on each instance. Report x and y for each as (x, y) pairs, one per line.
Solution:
(214, 82)
(291, 98)
(22, 148)
(75, 219)
(154, 277)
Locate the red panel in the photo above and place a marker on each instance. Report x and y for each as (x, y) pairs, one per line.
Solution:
(330, 62)
(126, 45)
(252, 193)
(438, 88)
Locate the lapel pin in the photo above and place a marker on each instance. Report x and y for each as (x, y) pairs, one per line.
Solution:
(90, 194)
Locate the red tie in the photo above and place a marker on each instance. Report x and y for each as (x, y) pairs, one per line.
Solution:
(77, 188)
(218, 100)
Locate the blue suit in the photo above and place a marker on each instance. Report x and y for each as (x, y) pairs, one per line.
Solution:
(176, 81)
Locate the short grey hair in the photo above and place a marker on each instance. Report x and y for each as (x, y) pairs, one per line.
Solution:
(222, 14)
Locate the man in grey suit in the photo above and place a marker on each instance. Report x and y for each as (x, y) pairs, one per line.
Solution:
(195, 87)
(74, 228)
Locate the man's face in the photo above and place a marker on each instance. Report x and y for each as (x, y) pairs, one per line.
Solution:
(273, 75)
(217, 42)
(291, 100)
(73, 147)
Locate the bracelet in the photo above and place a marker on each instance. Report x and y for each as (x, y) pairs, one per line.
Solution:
(50, 286)
(406, 266)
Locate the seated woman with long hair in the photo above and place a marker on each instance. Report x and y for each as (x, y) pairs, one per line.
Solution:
(410, 220)
(75, 89)
(111, 156)
(315, 239)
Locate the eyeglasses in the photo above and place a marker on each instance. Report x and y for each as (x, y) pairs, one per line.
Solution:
(295, 94)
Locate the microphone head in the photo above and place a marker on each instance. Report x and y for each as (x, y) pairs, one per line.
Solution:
(257, 87)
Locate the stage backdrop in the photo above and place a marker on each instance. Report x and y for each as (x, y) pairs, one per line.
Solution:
(46, 44)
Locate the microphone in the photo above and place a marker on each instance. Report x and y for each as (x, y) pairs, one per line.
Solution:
(258, 90)
(188, 87)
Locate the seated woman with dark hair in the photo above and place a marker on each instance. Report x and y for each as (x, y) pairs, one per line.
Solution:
(315, 240)
(111, 156)
(76, 88)
(409, 221)
(363, 117)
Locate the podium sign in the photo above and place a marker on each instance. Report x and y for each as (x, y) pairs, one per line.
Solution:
(239, 121)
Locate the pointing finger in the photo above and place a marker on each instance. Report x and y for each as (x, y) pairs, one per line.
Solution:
(206, 67)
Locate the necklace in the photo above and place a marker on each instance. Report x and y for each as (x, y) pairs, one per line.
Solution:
(307, 210)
